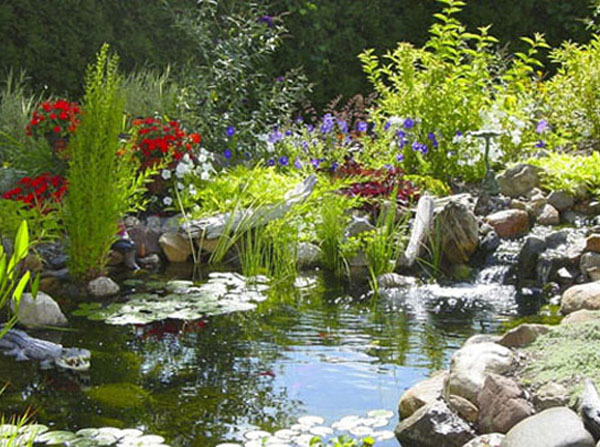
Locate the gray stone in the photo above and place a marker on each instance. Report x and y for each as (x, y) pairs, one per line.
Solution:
(581, 316)
(145, 239)
(481, 338)
(581, 296)
(308, 254)
(592, 243)
(103, 286)
(561, 200)
(528, 257)
(358, 225)
(394, 281)
(519, 180)
(548, 215)
(588, 262)
(177, 248)
(487, 440)
(459, 232)
(434, 425)
(523, 335)
(151, 262)
(501, 404)
(461, 406)
(550, 395)
(555, 427)
(421, 394)
(471, 364)
(39, 311)
(590, 408)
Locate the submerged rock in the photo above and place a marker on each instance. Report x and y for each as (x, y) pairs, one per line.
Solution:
(103, 286)
(555, 427)
(394, 280)
(434, 425)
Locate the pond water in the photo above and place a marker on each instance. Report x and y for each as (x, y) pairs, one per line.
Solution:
(318, 350)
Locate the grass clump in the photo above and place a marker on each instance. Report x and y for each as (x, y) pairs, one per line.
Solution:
(567, 354)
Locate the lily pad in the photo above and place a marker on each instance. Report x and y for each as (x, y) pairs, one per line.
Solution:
(387, 414)
(87, 432)
(321, 431)
(8, 430)
(56, 437)
(310, 420)
(257, 434)
(383, 435)
(223, 293)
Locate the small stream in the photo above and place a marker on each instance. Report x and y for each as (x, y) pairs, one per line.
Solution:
(322, 349)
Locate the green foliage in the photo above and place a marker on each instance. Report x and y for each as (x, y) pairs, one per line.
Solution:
(12, 280)
(227, 84)
(330, 226)
(44, 226)
(150, 92)
(573, 96)
(564, 355)
(569, 172)
(102, 184)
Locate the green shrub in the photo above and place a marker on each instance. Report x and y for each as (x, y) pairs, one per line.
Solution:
(569, 172)
(150, 92)
(102, 183)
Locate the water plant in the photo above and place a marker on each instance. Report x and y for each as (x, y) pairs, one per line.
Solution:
(103, 178)
(330, 226)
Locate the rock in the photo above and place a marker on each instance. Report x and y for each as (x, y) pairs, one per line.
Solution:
(463, 408)
(550, 395)
(459, 232)
(434, 425)
(471, 364)
(592, 243)
(590, 408)
(487, 440)
(421, 394)
(528, 257)
(151, 262)
(523, 335)
(561, 200)
(581, 316)
(145, 239)
(555, 427)
(39, 311)
(572, 217)
(308, 254)
(518, 181)
(481, 338)
(588, 262)
(548, 215)
(581, 296)
(565, 277)
(114, 258)
(208, 245)
(395, 281)
(509, 223)
(103, 286)
(33, 263)
(490, 242)
(358, 225)
(501, 404)
(177, 248)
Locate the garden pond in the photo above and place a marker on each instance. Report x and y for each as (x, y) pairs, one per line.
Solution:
(322, 348)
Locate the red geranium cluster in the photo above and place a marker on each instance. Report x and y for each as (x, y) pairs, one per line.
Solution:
(38, 191)
(157, 140)
(378, 183)
(55, 118)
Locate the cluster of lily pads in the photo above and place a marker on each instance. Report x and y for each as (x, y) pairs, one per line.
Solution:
(309, 430)
(183, 300)
(38, 435)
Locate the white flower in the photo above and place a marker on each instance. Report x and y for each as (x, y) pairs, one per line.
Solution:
(180, 186)
(202, 157)
(192, 189)
(205, 175)
(167, 200)
(166, 174)
(182, 169)
(186, 158)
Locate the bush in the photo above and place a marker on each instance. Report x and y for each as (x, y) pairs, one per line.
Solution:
(102, 177)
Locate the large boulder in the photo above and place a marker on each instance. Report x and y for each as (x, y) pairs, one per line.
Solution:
(459, 232)
(523, 335)
(145, 239)
(509, 223)
(434, 425)
(555, 427)
(581, 316)
(39, 311)
(471, 364)
(519, 180)
(421, 394)
(582, 296)
(501, 404)
(487, 440)
(176, 247)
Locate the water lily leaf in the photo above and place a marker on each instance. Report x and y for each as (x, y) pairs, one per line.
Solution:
(257, 434)
(321, 431)
(311, 420)
(383, 435)
(83, 442)
(8, 430)
(285, 434)
(361, 431)
(87, 432)
(229, 444)
(56, 437)
(33, 429)
(387, 414)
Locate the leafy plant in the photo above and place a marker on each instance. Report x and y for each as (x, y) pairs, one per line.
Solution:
(103, 178)
(150, 92)
(330, 226)
(569, 172)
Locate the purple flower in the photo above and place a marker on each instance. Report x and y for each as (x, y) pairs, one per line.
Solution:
(315, 163)
(270, 162)
(388, 167)
(419, 147)
(343, 125)
(228, 154)
(298, 163)
(276, 136)
(334, 166)
(247, 155)
(387, 125)
(230, 131)
(400, 158)
(283, 160)
(305, 145)
(542, 127)
(328, 123)
(300, 119)
(288, 133)
(361, 126)
(459, 133)
(310, 128)
(433, 139)
(279, 79)
(540, 144)
(267, 20)
(409, 123)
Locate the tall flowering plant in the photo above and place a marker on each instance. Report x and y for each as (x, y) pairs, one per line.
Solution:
(41, 192)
